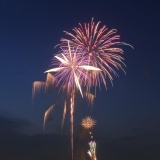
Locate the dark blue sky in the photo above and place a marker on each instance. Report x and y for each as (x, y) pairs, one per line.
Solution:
(29, 31)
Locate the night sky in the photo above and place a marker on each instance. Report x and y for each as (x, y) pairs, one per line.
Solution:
(127, 114)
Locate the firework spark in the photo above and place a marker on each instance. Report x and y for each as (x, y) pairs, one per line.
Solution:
(37, 86)
(50, 80)
(46, 115)
(90, 97)
(99, 47)
(64, 114)
(88, 123)
(92, 151)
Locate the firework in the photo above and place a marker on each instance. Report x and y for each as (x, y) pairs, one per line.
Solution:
(73, 69)
(99, 46)
(88, 123)
(92, 151)
(84, 62)
(71, 73)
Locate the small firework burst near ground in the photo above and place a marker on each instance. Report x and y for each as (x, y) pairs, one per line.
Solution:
(88, 123)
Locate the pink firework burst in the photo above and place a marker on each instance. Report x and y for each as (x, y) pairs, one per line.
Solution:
(72, 69)
(99, 46)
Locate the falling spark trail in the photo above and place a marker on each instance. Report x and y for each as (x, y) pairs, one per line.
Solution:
(47, 113)
(50, 80)
(64, 114)
(71, 119)
(90, 97)
(37, 86)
